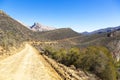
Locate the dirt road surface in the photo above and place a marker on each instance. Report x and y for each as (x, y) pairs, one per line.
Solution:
(27, 65)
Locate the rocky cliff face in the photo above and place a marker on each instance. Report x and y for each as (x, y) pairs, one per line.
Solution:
(40, 27)
(114, 45)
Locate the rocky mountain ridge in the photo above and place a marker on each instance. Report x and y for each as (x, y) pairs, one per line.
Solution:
(41, 28)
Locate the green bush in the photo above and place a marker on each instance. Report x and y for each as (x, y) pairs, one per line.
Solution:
(97, 60)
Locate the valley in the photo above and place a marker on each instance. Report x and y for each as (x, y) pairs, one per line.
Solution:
(57, 54)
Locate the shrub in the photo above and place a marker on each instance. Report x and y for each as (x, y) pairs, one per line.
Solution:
(94, 59)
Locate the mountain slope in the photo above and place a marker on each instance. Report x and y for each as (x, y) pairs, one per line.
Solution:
(110, 40)
(12, 32)
(58, 34)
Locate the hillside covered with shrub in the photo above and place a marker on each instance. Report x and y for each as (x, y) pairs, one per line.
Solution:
(94, 59)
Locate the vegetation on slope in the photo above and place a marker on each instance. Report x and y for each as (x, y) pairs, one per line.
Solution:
(57, 34)
(11, 32)
(97, 60)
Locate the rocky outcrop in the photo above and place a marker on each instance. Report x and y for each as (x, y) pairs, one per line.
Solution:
(114, 33)
(114, 47)
(114, 44)
(40, 27)
(2, 13)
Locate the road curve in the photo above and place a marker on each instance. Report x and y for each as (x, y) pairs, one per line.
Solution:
(27, 65)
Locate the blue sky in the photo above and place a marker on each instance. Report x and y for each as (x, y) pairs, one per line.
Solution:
(80, 15)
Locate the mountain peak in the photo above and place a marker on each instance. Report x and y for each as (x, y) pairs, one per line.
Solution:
(2, 13)
(39, 27)
(36, 23)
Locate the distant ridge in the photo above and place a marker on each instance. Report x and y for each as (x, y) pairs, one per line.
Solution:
(104, 30)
